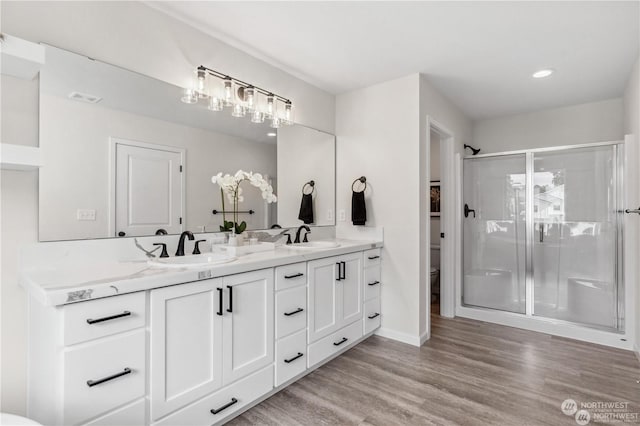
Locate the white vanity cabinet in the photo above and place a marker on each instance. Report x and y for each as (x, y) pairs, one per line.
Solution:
(208, 334)
(198, 352)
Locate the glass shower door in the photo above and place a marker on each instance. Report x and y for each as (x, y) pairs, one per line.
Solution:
(494, 271)
(575, 212)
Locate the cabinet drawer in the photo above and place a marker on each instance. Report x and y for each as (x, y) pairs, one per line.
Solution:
(291, 311)
(130, 415)
(372, 282)
(293, 275)
(233, 397)
(291, 354)
(371, 315)
(334, 343)
(103, 375)
(103, 317)
(372, 257)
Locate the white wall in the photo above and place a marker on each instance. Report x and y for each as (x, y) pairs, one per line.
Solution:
(77, 159)
(576, 124)
(306, 154)
(388, 146)
(134, 36)
(632, 126)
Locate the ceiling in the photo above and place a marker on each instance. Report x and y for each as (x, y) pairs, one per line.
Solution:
(479, 54)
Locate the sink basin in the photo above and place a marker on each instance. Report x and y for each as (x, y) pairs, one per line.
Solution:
(198, 260)
(314, 245)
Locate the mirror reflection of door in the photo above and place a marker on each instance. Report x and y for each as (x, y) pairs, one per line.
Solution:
(148, 186)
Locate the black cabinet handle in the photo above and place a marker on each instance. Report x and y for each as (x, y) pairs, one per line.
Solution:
(344, 339)
(219, 302)
(542, 232)
(375, 283)
(467, 210)
(288, 277)
(339, 271)
(288, 314)
(124, 372)
(230, 309)
(344, 270)
(300, 354)
(374, 315)
(374, 257)
(95, 321)
(224, 407)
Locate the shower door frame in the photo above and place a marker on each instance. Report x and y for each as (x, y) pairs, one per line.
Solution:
(613, 337)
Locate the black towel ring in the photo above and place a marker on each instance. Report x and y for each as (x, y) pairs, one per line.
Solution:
(361, 179)
(312, 184)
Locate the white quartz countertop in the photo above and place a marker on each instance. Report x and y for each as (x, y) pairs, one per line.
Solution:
(95, 277)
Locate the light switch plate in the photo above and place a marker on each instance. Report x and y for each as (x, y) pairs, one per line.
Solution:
(86, 214)
(342, 215)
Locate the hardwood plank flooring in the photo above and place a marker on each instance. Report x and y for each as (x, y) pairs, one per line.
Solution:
(468, 373)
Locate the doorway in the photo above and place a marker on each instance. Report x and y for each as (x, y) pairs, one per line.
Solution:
(147, 188)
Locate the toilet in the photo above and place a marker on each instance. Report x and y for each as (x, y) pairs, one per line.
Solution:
(7, 419)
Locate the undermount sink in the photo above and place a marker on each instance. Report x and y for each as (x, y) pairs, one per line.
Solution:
(198, 260)
(314, 245)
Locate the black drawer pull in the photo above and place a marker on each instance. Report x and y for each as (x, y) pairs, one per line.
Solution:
(288, 314)
(300, 354)
(219, 301)
(374, 257)
(288, 277)
(374, 315)
(224, 407)
(339, 271)
(230, 308)
(375, 283)
(92, 383)
(344, 339)
(95, 321)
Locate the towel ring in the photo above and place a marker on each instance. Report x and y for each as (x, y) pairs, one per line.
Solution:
(361, 179)
(312, 184)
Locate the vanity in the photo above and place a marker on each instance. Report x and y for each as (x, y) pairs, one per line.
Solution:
(191, 346)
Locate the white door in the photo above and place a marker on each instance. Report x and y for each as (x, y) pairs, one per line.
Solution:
(148, 189)
(350, 288)
(186, 344)
(248, 327)
(323, 302)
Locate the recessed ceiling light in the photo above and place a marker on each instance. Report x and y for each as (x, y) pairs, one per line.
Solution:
(272, 135)
(542, 73)
(84, 97)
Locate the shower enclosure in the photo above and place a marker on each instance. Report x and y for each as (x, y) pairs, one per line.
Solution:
(543, 234)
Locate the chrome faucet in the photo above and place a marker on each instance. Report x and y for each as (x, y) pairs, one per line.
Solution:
(188, 234)
(306, 228)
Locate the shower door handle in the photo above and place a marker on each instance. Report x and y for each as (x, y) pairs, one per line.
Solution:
(467, 210)
(541, 230)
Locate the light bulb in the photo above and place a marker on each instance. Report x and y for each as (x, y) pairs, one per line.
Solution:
(189, 96)
(257, 116)
(238, 111)
(201, 83)
(288, 113)
(275, 123)
(228, 92)
(215, 104)
(250, 98)
(271, 106)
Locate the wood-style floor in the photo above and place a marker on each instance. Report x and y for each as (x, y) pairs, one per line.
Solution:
(468, 373)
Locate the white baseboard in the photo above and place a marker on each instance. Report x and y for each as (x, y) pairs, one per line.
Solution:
(401, 337)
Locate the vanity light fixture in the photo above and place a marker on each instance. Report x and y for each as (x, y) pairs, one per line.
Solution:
(221, 90)
(542, 73)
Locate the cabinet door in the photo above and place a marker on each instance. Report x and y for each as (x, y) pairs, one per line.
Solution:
(350, 289)
(186, 344)
(247, 323)
(323, 302)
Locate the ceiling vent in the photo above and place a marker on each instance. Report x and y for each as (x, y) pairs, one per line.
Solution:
(83, 97)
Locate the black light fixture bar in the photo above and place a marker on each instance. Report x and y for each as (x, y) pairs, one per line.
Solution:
(244, 84)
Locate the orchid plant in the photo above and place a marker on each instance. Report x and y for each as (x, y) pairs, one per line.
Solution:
(230, 186)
